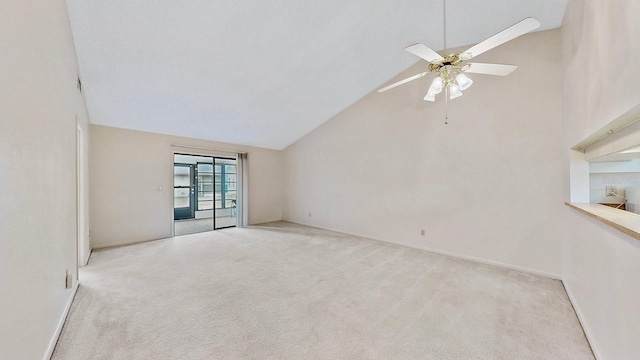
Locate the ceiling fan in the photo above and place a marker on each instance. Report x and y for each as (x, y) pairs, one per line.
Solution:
(451, 68)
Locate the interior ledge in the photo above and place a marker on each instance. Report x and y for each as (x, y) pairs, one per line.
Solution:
(625, 221)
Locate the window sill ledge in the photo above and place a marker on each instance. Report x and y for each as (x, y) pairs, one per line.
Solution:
(624, 221)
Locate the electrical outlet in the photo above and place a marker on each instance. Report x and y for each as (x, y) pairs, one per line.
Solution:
(610, 190)
(422, 232)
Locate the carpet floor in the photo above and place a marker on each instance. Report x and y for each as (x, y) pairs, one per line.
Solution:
(192, 226)
(283, 291)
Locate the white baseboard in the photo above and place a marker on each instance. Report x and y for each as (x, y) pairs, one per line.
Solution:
(436, 251)
(265, 221)
(126, 243)
(490, 262)
(87, 255)
(582, 320)
(56, 335)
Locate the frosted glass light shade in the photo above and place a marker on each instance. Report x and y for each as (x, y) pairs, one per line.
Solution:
(430, 96)
(436, 86)
(454, 91)
(463, 81)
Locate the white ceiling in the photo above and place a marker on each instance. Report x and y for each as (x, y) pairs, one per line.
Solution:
(262, 72)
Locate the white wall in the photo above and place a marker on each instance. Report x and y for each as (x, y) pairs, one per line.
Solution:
(601, 266)
(486, 186)
(39, 103)
(127, 166)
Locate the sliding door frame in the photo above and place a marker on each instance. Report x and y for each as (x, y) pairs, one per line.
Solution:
(213, 154)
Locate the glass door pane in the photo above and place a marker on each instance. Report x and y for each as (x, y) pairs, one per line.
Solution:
(182, 178)
(225, 192)
(193, 194)
(205, 186)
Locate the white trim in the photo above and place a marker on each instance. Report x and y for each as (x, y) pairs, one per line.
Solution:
(582, 320)
(171, 190)
(495, 263)
(620, 123)
(63, 318)
(262, 221)
(81, 231)
(124, 243)
(88, 254)
(458, 256)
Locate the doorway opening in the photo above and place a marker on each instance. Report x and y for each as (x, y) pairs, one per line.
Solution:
(204, 193)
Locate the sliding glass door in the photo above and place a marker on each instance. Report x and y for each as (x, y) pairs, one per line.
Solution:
(205, 194)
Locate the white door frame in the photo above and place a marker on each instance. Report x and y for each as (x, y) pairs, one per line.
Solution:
(80, 194)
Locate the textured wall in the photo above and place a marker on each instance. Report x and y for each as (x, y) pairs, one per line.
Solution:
(127, 167)
(487, 186)
(39, 105)
(601, 265)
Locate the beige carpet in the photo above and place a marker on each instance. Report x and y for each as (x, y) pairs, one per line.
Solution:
(192, 226)
(283, 291)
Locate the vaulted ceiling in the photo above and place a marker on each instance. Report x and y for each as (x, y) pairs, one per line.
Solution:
(263, 72)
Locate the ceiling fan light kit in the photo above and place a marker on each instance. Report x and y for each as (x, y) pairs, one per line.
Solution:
(454, 91)
(451, 68)
(463, 81)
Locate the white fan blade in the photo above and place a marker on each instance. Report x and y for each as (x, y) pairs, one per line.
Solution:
(424, 52)
(417, 76)
(502, 37)
(490, 69)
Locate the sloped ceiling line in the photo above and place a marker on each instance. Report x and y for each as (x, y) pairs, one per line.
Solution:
(262, 73)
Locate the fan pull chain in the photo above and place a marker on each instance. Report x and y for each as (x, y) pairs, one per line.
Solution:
(446, 105)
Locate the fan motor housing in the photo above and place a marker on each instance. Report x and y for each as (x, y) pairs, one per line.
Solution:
(450, 60)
